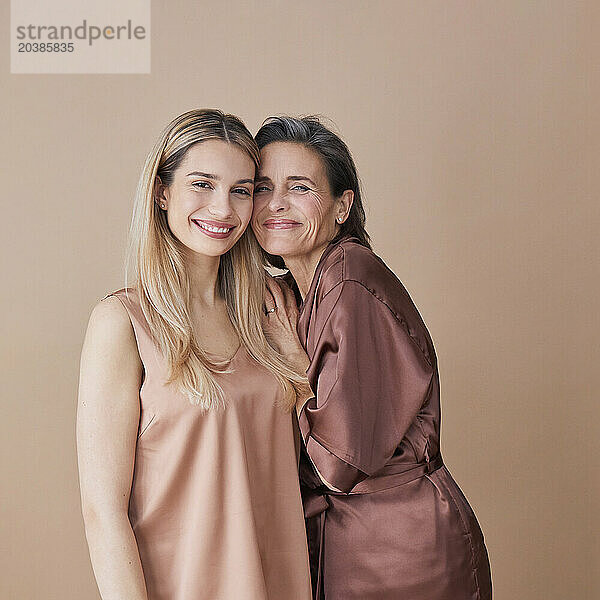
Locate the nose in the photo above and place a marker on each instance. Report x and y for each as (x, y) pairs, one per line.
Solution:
(278, 201)
(220, 206)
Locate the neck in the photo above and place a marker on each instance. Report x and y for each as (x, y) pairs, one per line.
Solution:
(303, 267)
(203, 273)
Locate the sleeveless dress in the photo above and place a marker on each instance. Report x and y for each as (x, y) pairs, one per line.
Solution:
(215, 502)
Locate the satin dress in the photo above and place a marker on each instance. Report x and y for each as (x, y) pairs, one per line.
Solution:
(215, 503)
(385, 519)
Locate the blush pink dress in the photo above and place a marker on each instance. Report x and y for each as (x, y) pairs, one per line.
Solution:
(215, 503)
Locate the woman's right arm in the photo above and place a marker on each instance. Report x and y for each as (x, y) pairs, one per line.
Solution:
(107, 425)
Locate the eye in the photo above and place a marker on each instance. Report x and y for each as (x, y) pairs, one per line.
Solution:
(261, 188)
(242, 190)
(202, 184)
(301, 188)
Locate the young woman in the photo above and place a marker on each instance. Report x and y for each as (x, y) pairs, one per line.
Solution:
(386, 520)
(187, 462)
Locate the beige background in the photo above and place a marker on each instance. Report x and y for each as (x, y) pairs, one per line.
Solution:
(475, 131)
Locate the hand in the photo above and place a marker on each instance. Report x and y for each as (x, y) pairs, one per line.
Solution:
(279, 324)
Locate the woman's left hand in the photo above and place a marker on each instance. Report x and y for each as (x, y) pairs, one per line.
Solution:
(279, 324)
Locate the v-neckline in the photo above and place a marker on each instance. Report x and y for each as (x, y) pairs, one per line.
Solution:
(234, 355)
(227, 361)
(236, 352)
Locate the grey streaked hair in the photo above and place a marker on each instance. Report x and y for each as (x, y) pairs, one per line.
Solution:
(339, 165)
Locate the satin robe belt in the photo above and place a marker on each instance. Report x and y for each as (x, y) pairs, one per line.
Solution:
(315, 502)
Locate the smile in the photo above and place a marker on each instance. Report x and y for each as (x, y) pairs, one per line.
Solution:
(280, 224)
(212, 229)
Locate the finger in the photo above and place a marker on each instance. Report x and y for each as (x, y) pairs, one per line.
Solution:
(276, 292)
(290, 299)
(270, 303)
(271, 283)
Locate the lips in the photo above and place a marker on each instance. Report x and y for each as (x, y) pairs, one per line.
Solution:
(214, 229)
(280, 224)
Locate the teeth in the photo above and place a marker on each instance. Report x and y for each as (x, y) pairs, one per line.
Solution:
(213, 229)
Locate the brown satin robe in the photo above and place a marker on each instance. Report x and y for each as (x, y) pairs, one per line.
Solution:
(400, 527)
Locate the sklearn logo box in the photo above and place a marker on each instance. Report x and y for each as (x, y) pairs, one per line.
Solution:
(80, 36)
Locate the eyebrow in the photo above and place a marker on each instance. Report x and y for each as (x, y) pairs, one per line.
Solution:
(216, 177)
(301, 178)
(290, 178)
(200, 174)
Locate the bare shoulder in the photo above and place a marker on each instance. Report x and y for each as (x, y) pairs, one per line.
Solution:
(110, 330)
(109, 316)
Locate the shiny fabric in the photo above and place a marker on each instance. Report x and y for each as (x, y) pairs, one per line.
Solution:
(385, 519)
(215, 504)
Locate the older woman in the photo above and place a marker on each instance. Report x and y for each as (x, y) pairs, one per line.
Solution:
(385, 519)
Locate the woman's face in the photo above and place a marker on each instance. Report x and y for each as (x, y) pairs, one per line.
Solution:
(295, 213)
(209, 201)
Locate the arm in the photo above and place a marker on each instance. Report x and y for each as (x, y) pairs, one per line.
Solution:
(107, 423)
(366, 381)
(301, 363)
(371, 379)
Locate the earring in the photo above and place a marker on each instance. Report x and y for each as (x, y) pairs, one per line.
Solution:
(339, 219)
(162, 204)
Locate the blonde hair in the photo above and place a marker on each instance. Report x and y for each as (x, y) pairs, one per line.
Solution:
(157, 257)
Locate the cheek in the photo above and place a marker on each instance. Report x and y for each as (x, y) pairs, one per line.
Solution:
(314, 207)
(244, 211)
(259, 202)
(184, 202)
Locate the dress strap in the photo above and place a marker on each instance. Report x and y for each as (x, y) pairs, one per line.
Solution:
(148, 351)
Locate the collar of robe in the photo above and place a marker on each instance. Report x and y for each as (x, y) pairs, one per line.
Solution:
(318, 270)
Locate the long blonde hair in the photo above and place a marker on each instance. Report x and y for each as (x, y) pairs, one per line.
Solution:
(157, 257)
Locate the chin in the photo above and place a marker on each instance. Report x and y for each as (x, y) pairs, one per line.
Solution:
(279, 247)
(213, 250)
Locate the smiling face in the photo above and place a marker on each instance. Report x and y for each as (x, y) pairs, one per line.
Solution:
(295, 213)
(209, 201)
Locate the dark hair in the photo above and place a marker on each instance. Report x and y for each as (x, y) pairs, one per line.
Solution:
(339, 165)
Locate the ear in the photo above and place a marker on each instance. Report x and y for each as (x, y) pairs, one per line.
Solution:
(161, 192)
(344, 204)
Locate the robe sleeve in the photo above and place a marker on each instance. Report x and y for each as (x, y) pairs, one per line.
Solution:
(370, 378)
